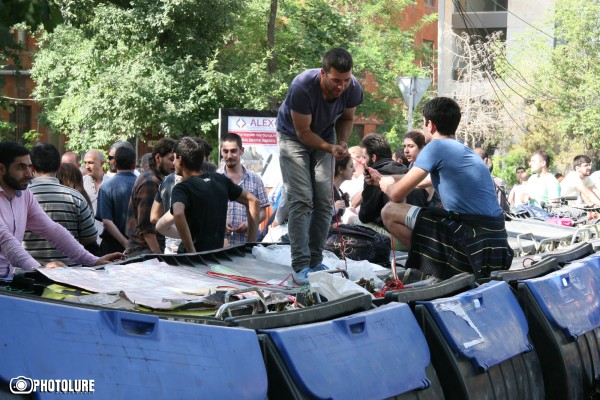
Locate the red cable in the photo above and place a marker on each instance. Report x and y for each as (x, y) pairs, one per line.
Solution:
(395, 283)
(244, 279)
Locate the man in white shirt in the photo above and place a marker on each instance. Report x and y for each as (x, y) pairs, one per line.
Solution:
(94, 163)
(543, 187)
(578, 183)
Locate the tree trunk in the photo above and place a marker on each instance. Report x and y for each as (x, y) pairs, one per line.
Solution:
(271, 36)
(272, 65)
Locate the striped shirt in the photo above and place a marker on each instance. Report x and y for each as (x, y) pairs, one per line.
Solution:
(236, 212)
(65, 206)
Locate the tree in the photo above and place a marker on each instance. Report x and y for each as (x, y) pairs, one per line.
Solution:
(30, 13)
(486, 120)
(116, 69)
(563, 88)
(305, 29)
(113, 71)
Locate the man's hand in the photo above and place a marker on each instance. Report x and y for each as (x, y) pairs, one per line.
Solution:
(110, 258)
(339, 152)
(241, 228)
(55, 264)
(372, 177)
(340, 205)
(344, 145)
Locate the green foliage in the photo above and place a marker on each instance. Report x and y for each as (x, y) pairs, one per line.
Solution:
(122, 70)
(369, 29)
(115, 69)
(395, 138)
(385, 52)
(564, 86)
(30, 138)
(505, 167)
(31, 13)
(5, 130)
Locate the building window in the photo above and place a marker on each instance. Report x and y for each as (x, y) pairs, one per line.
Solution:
(481, 5)
(21, 116)
(22, 38)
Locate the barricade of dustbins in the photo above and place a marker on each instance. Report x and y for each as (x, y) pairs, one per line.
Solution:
(65, 350)
(563, 312)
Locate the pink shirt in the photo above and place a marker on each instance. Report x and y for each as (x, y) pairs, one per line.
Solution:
(21, 213)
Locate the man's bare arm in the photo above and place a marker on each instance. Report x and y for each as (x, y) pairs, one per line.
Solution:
(110, 226)
(311, 139)
(253, 210)
(156, 212)
(182, 227)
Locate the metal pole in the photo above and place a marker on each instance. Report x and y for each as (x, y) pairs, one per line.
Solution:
(440, 66)
(411, 101)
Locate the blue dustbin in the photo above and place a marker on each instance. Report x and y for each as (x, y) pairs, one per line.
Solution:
(563, 311)
(480, 346)
(127, 355)
(374, 354)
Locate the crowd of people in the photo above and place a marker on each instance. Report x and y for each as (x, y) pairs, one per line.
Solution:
(52, 215)
(435, 197)
(539, 187)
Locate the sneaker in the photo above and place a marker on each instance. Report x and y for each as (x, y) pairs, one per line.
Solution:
(319, 267)
(301, 277)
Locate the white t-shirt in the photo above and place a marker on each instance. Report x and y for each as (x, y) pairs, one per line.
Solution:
(353, 186)
(571, 186)
(543, 188)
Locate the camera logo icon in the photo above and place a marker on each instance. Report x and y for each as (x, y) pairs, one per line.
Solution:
(21, 385)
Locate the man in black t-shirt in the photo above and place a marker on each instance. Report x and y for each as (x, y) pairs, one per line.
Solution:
(199, 202)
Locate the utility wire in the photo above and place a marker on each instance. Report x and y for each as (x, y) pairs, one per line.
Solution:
(493, 79)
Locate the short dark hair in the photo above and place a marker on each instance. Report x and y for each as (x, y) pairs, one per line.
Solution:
(145, 159)
(444, 113)
(207, 148)
(125, 158)
(11, 150)
(378, 145)
(341, 164)
(120, 143)
(416, 137)
(337, 58)
(163, 147)
(232, 137)
(543, 154)
(45, 157)
(581, 159)
(401, 157)
(191, 151)
(523, 169)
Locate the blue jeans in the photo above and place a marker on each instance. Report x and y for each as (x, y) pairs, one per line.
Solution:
(307, 177)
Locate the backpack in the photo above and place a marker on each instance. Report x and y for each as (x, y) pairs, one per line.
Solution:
(360, 243)
(502, 200)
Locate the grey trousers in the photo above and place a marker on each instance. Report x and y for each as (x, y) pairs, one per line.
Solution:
(307, 177)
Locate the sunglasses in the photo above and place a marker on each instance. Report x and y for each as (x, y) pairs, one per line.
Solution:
(111, 158)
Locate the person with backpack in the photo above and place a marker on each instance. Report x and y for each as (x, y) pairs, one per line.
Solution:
(499, 183)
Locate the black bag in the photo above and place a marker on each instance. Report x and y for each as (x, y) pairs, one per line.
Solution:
(360, 243)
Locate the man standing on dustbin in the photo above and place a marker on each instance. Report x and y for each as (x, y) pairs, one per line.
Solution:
(319, 107)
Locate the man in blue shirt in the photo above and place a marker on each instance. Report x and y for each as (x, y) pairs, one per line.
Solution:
(113, 202)
(468, 234)
(319, 107)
